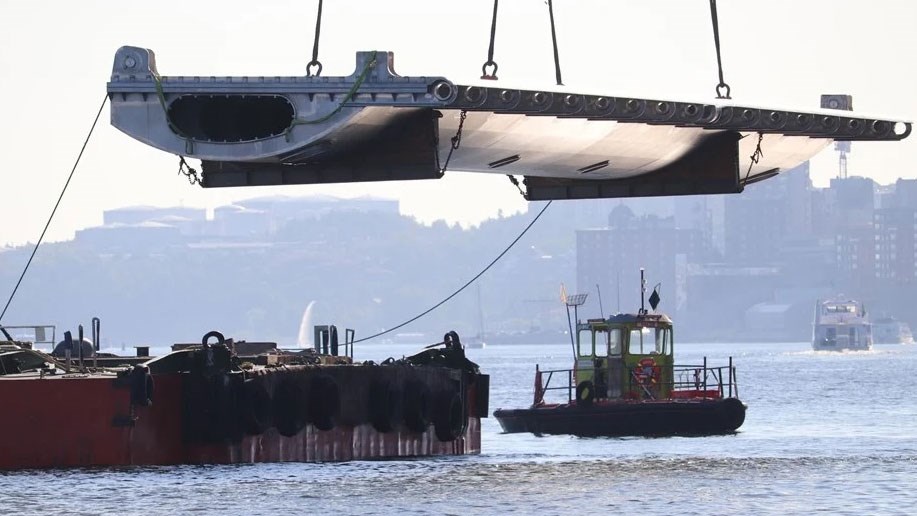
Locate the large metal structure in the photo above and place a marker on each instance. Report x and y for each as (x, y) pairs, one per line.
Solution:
(375, 125)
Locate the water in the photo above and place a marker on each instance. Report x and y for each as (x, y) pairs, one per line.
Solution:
(825, 432)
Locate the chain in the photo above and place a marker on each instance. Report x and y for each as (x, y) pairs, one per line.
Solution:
(185, 170)
(456, 141)
(515, 183)
(755, 157)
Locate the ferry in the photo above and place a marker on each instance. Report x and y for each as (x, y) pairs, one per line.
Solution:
(220, 401)
(841, 324)
(624, 382)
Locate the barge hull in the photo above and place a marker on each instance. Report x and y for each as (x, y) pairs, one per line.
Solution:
(91, 422)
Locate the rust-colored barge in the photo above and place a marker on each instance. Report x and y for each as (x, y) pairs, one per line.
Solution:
(218, 403)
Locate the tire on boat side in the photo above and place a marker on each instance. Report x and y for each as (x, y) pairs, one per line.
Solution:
(255, 406)
(141, 382)
(585, 393)
(324, 402)
(416, 405)
(385, 405)
(732, 413)
(449, 419)
(291, 412)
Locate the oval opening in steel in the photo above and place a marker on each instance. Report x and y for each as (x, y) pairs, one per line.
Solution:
(230, 118)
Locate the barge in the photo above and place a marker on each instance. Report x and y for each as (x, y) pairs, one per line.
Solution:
(220, 402)
(624, 383)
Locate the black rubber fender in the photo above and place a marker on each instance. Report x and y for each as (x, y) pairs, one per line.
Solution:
(324, 402)
(256, 406)
(732, 413)
(385, 405)
(449, 418)
(416, 404)
(291, 409)
(141, 382)
(213, 334)
(222, 409)
(585, 393)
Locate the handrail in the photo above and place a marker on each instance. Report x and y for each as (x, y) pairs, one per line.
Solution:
(700, 380)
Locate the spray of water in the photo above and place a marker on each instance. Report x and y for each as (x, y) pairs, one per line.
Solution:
(304, 339)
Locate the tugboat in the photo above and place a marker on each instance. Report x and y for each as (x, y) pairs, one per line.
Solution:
(841, 324)
(220, 402)
(624, 383)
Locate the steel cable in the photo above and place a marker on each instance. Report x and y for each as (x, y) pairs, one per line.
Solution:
(51, 217)
(467, 284)
(719, 61)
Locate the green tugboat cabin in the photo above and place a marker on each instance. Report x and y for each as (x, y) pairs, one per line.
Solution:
(631, 357)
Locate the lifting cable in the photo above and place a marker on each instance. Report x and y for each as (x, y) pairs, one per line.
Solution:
(47, 224)
(468, 283)
(758, 153)
(492, 76)
(554, 40)
(719, 61)
(318, 31)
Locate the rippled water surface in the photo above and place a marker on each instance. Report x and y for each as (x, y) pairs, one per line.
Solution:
(825, 432)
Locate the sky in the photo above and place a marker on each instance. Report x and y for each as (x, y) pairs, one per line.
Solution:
(56, 58)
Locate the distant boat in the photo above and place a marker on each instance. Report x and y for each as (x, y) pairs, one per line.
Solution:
(841, 324)
(888, 330)
(476, 342)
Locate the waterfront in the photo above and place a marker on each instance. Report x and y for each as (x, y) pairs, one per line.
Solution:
(832, 432)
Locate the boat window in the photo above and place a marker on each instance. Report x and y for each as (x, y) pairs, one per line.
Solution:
(615, 339)
(663, 341)
(636, 341)
(585, 343)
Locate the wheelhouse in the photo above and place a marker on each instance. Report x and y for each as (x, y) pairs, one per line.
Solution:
(625, 356)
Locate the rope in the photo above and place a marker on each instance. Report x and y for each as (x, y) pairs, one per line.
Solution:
(719, 61)
(490, 52)
(47, 224)
(318, 31)
(347, 98)
(468, 283)
(554, 39)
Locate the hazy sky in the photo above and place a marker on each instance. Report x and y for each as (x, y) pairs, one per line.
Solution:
(56, 57)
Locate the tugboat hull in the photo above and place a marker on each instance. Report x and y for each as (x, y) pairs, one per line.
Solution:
(626, 418)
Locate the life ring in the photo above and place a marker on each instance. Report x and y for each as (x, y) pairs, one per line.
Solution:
(385, 405)
(141, 382)
(585, 393)
(449, 420)
(416, 406)
(290, 410)
(646, 371)
(324, 402)
(255, 406)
